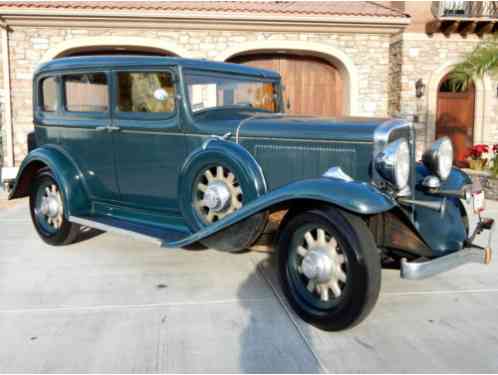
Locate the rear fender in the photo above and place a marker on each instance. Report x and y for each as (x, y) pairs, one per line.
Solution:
(65, 172)
(356, 197)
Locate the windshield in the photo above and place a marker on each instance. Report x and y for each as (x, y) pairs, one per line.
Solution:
(214, 91)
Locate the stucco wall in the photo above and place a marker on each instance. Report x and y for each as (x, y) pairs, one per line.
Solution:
(368, 52)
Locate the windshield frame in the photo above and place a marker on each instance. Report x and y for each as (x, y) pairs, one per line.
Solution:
(236, 76)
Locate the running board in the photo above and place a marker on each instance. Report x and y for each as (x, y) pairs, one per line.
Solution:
(420, 270)
(154, 234)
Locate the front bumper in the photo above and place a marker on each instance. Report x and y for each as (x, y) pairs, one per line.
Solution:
(422, 268)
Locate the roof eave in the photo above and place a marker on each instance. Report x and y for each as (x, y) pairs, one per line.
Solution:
(400, 21)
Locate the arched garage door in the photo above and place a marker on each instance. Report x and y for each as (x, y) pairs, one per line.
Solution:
(114, 50)
(313, 86)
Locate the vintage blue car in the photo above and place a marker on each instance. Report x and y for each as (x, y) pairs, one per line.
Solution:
(185, 151)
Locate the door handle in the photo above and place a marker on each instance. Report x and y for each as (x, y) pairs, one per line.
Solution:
(108, 128)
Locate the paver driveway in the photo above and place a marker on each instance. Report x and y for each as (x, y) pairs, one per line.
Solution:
(110, 303)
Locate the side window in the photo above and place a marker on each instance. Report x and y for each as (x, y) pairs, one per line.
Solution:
(48, 101)
(152, 92)
(86, 92)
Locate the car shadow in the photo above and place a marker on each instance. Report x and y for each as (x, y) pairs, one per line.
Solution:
(87, 233)
(271, 341)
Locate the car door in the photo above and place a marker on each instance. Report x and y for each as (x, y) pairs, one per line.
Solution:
(83, 130)
(150, 146)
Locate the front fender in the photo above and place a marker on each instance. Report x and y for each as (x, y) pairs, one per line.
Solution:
(66, 174)
(356, 197)
(451, 232)
(455, 181)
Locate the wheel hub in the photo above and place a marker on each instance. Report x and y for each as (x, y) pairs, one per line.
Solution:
(318, 265)
(217, 196)
(322, 264)
(50, 205)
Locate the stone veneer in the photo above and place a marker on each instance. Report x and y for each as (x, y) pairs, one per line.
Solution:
(369, 53)
(387, 66)
(417, 55)
(1, 110)
(487, 181)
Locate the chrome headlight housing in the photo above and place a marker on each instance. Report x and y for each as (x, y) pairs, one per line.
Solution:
(439, 158)
(393, 163)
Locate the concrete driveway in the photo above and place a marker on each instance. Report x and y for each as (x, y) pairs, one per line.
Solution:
(113, 304)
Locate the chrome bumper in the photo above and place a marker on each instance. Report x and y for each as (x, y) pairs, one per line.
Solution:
(421, 269)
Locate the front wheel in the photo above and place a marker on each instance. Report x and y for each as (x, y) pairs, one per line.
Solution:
(329, 267)
(46, 202)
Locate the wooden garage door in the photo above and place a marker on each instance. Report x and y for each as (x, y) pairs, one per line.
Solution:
(313, 86)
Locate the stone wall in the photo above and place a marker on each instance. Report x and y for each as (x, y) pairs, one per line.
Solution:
(395, 51)
(2, 108)
(487, 181)
(429, 58)
(369, 53)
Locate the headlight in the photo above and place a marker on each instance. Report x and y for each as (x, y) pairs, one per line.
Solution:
(393, 163)
(439, 158)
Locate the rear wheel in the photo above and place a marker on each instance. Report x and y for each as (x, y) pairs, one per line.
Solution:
(47, 211)
(329, 267)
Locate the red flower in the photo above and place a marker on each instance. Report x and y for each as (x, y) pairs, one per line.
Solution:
(476, 151)
(495, 148)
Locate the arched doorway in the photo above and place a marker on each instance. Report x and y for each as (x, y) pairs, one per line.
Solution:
(114, 50)
(312, 85)
(113, 45)
(455, 116)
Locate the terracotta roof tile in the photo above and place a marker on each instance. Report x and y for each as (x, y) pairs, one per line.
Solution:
(296, 8)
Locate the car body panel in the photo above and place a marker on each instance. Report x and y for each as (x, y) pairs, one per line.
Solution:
(149, 149)
(451, 236)
(66, 173)
(282, 126)
(356, 197)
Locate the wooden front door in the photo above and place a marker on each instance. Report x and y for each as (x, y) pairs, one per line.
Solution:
(455, 117)
(313, 86)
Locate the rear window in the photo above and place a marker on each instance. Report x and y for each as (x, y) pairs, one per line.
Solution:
(49, 94)
(151, 92)
(86, 92)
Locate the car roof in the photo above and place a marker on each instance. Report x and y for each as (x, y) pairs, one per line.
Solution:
(69, 63)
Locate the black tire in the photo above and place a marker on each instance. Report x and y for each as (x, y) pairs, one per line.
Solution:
(360, 262)
(67, 232)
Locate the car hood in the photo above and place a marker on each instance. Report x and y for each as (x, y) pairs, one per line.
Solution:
(308, 127)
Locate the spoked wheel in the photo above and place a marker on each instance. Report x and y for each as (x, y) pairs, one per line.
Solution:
(219, 191)
(329, 267)
(49, 207)
(47, 211)
(217, 194)
(322, 265)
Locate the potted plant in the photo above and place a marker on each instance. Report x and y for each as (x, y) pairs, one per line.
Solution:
(477, 157)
